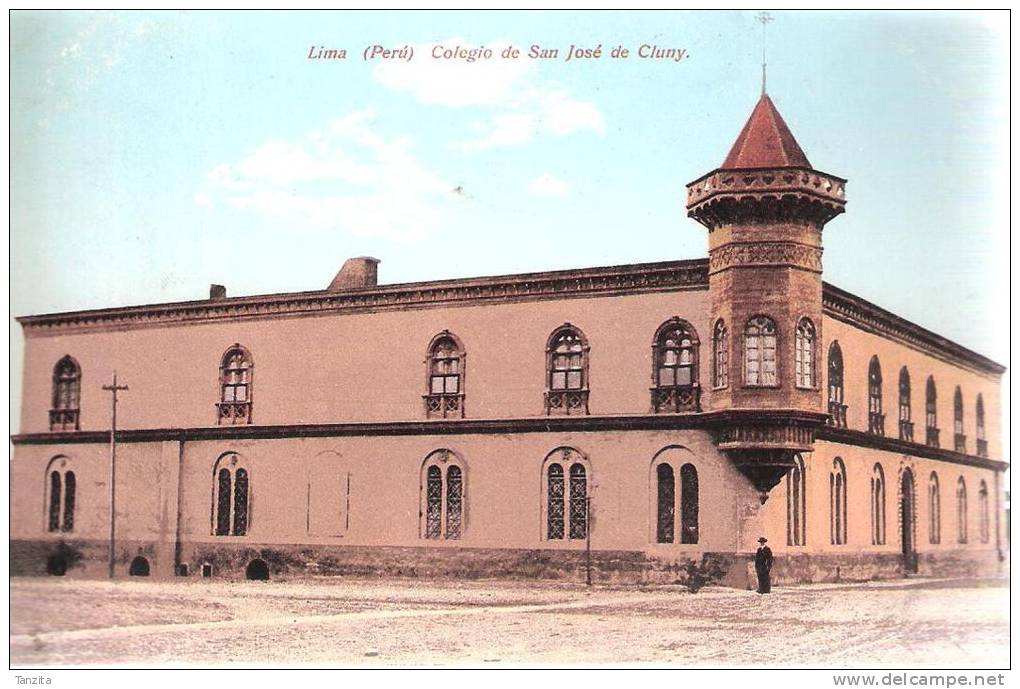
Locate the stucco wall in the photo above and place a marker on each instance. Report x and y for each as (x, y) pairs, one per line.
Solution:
(859, 346)
(361, 367)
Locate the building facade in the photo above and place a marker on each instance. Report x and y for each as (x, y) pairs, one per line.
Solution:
(660, 416)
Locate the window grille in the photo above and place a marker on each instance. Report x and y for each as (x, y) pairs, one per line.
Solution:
(675, 376)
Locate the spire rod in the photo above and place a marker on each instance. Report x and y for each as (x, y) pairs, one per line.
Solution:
(764, 18)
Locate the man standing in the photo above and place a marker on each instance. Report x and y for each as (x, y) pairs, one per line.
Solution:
(763, 566)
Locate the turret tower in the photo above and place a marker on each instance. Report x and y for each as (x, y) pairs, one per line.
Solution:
(765, 208)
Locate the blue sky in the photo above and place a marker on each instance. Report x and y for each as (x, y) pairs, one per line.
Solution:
(155, 153)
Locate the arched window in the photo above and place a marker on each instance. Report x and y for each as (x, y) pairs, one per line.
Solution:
(876, 419)
(444, 392)
(567, 372)
(688, 504)
(934, 510)
(796, 504)
(983, 511)
(982, 443)
(64, 411)
(443, 495)
(959, 438)
(665, 503)
(961, 511)
(231, 496)
(61, 489)
(837, 410)
(235, 387)
(760, 353)
(878, 506)
(675, 373)
(906, 426)
(805, 355)
(565, 475)
(720, 355)
(837, 503)
(677, 496)
(931, 428)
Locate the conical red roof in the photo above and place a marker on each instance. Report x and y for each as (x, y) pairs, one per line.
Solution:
(765, 141)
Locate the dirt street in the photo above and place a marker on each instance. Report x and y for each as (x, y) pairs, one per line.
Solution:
(343, 623)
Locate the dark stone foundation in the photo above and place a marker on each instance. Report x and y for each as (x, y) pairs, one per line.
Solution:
(89, 559)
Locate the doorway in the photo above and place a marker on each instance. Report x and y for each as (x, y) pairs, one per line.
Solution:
(907, 512)
(139, 567)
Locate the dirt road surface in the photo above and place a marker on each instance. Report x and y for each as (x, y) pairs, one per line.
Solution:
(412, 623)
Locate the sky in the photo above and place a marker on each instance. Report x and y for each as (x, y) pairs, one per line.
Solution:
(154, 153)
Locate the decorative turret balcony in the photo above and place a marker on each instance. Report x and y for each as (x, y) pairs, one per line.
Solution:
(765, 195)
(931, 437)
(959, 442)
(982, 447)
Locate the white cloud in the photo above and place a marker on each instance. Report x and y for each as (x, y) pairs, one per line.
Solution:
(520, 105)
(343, 176)
(547, 184)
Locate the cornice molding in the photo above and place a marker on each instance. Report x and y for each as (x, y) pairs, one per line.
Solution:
(862, 314)
(846, 436)
(588, 282)
(707, 421)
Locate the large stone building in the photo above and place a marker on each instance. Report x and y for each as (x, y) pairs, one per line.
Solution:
(672, 413)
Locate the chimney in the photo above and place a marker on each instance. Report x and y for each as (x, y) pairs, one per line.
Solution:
(217, 292)
(356, 273)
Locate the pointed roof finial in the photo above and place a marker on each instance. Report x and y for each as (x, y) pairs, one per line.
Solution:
(764, 18)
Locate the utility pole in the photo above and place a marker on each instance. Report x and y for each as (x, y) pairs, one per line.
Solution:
(113, 467)
(587, 539)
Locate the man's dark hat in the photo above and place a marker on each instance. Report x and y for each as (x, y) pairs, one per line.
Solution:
(763, 540)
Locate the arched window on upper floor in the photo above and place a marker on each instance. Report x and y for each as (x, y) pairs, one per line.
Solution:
(720, 355)
(931, 426)
(675, 385)
(805, 354)
(442, 496)
(796, 503)
(876, 419)
(983, 511)
(235, 405)
(979, 415)
(959, 437)
(444, 393)
(61, 493)
(906, 425)
(65, 408)
(961, 511)
(760, 362)
(934, 510)
(231, 496)
(837, 410)
(837, 503)
(877, 505)
(567, 371)
(565, 476)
